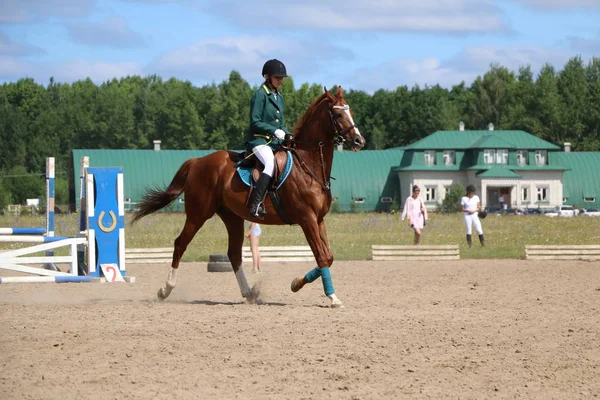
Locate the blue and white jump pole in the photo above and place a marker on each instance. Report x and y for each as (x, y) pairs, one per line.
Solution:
(50, 185)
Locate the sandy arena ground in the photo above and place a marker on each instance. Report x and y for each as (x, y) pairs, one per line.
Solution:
(462, 329)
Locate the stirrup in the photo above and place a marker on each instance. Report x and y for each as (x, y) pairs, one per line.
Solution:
(259, 212)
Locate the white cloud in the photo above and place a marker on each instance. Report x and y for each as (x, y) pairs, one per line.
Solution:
(450, 16)
(112, 32)
(409, 72)
(465, 66)
(560, 4)
(478, 59)
(10, 48)
(97, 71)
(213, 59)
(585, 45)
(25, 11)
(12, 69)
(454, 16)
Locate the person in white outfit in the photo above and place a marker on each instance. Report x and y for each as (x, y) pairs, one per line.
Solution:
(416, 213)
(471, 205)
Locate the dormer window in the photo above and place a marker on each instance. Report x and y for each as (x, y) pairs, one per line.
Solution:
(430, 157)
(449, 157)
(501, 156)
(540, 157)
(488, 156)
(522, 157)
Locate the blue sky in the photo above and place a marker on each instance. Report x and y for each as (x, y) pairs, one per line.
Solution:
(359, 44)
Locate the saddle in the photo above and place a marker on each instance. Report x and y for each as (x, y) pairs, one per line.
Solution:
(249, 169)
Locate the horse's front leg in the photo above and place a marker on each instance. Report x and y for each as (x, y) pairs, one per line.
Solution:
(316, 235)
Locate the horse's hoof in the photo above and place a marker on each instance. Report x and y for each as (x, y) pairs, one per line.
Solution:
(338, 305)
(253, 296)
(297, 284)
(161, 294)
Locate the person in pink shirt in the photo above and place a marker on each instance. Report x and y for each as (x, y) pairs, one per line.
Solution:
(416, 212)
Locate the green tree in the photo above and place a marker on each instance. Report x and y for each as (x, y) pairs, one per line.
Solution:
(592, 113)
(573, 91)
(547, 104)
(23, 185)
(13, 127)
(451, 202)
(5, 197)
(492, 96)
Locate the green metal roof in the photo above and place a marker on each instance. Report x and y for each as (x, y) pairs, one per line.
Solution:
(435, 167)
(455, 140)
(141, 168)
(492, 142)
(582, 179)
(499, 172)
(364, 174)
(522, 167)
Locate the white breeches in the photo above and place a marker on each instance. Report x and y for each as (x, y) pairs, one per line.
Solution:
(265, 154)
(473, 219)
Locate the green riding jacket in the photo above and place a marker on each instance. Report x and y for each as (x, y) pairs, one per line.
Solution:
(266, 115)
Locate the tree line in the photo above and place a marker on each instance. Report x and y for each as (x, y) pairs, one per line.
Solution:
(38, 121)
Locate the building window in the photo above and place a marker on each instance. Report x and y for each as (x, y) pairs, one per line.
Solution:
(358, 200)
(540, 157)
(386, 200)
(430, 157)
(430, 193)
(525, 194)
(501, 156)
(449, 157)
(589, 199)
(488, 156)
(542, 194)
(522, 157)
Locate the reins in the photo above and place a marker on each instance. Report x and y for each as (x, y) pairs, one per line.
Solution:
(339, 134)
(325, 183)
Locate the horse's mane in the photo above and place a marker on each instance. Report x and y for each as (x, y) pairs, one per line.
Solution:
(313, 106)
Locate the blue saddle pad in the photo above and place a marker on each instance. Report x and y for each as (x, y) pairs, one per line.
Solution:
(245, 173)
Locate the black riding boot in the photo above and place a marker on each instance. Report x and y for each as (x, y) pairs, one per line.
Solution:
(257, 209)
(481, 240)
(469, 241)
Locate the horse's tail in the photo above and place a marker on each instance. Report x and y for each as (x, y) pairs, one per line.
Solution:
(155, 199)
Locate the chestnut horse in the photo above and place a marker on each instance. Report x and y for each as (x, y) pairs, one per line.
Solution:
(212, 186)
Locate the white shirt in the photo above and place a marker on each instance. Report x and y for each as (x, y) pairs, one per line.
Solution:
(470, 204)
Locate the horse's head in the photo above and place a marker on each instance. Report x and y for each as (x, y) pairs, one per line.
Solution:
(345, 129)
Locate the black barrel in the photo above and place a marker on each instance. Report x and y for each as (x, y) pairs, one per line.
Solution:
(218, 263)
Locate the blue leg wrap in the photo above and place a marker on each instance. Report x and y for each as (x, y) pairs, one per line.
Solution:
(327, 283)
(312, 275)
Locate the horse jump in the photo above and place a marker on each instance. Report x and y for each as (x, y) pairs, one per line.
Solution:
(103, 191)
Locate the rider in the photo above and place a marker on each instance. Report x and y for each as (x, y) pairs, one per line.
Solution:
(267, 129)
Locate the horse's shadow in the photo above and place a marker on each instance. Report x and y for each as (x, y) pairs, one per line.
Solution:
(207, 302)
(234, 303)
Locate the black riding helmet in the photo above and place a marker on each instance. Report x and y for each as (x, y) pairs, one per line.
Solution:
(274, 67)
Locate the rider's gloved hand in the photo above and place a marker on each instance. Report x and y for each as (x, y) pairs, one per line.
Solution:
(279, 134)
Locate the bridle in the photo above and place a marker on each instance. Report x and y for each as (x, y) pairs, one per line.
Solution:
(339, 133)
(338, 139)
